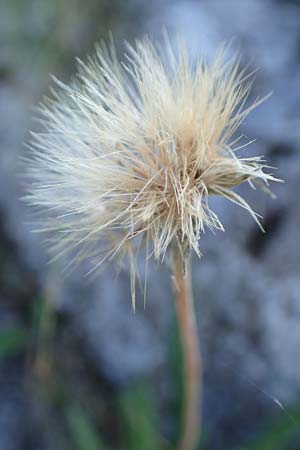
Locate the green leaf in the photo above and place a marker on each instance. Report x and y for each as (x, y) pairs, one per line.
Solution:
(83, 432)
(11, 341)
(280, 434)
(139, 428)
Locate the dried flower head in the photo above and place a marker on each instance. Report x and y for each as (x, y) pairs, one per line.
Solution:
(136, 148)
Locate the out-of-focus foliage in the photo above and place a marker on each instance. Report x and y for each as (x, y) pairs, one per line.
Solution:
(50, 34)
(139, 424)
(282, 433)
(82, 431)
(12, 340)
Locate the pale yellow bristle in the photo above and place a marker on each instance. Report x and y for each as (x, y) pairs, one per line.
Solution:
(132, 151)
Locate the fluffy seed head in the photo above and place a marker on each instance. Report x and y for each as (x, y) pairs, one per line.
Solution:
(135, 149)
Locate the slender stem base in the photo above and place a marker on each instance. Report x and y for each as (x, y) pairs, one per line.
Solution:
(191, 417)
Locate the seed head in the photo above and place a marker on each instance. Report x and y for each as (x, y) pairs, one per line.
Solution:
(130, 152)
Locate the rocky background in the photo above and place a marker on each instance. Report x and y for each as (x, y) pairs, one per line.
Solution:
(77, 369)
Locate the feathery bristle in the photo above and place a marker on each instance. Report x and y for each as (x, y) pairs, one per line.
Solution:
(136, 148)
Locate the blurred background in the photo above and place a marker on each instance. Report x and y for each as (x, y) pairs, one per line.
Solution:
(77, 369)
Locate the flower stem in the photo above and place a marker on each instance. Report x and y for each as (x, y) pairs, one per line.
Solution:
(191, 416)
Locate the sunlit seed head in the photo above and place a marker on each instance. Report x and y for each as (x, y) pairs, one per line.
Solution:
(135, 149)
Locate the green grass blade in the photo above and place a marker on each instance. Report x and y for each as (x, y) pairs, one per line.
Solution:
(11, 341)
(138, 422)
(83, 432)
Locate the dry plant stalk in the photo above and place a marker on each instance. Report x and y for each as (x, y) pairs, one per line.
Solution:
(191, 422)
(128, 157)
